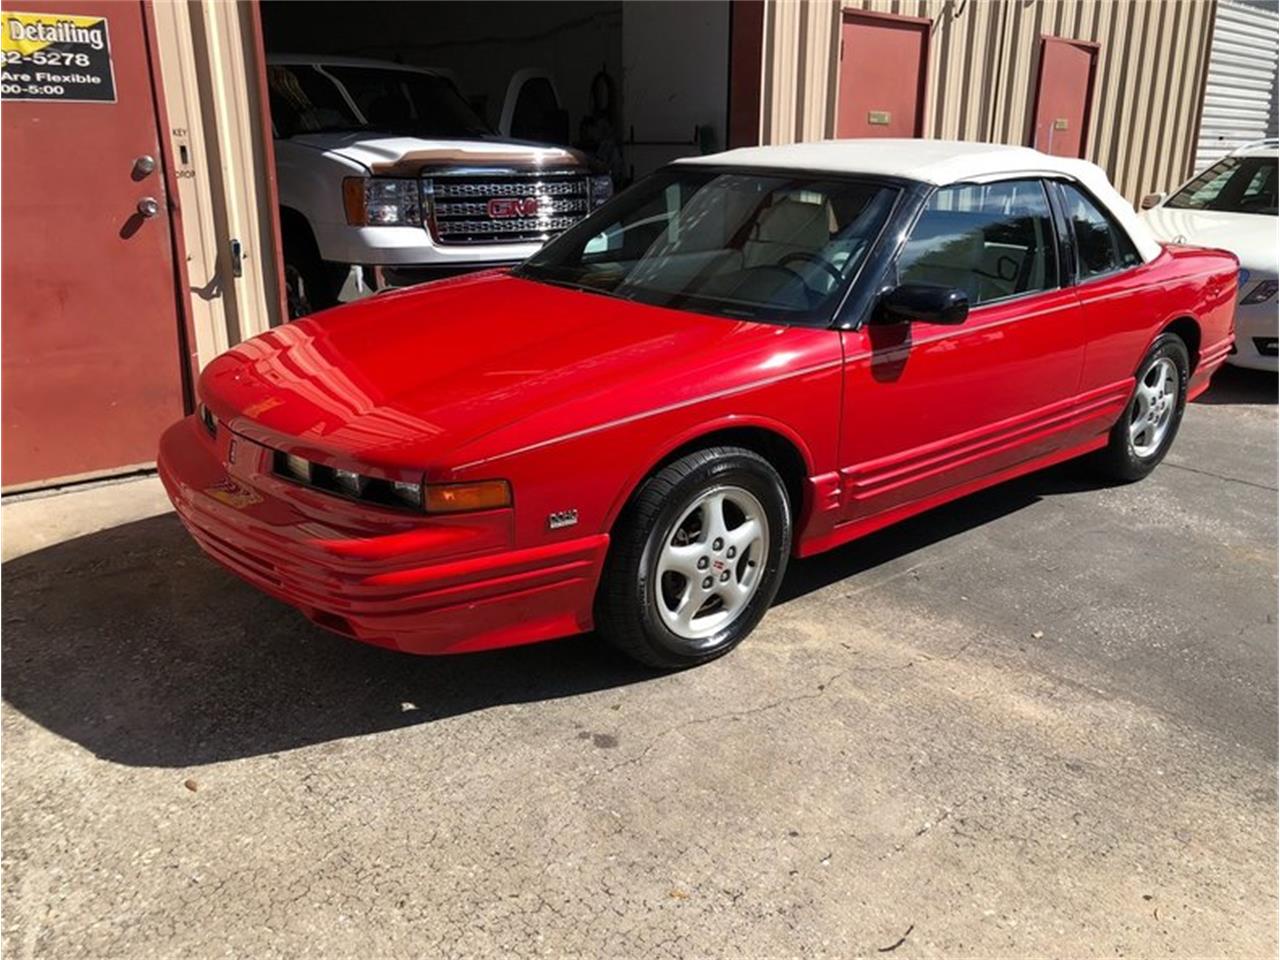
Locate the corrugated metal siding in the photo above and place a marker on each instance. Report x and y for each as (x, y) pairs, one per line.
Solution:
(1240, 94)
(984, 58)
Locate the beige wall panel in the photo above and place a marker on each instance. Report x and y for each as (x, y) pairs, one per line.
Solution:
(207, 62)
(195, 199)
(984, 62)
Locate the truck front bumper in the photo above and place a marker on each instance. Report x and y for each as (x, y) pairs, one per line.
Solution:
(411, 247)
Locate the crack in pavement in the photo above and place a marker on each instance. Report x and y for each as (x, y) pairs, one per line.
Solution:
(1219, 476)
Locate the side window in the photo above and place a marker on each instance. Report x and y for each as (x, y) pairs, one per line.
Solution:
(1102, 246)
(303, 100)
(992, 240)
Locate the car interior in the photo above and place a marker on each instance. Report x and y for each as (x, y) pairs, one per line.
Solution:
(992, 241)
(741, 240)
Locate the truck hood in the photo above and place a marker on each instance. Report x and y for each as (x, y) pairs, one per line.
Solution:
(1251, 237)
(433, 377)
(388, 155)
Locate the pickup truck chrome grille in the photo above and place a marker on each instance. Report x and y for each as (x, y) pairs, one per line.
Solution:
(504, 208)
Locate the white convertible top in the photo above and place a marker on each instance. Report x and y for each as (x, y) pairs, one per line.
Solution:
(940, 162)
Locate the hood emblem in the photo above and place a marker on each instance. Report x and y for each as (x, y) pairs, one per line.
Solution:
(504, 208)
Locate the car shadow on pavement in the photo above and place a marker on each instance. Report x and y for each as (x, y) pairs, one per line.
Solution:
(1237, 385)
(132, 644)
(934, 526)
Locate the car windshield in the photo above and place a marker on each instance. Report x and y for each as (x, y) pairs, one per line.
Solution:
(1233, 185)
(306, 99)
(763, 246)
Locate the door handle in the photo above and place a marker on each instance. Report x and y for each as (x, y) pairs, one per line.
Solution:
(143, 165)
(148, 207)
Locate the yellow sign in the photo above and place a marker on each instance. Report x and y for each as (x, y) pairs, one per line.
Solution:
(55, 56)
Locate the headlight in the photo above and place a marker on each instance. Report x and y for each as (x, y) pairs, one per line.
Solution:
(1263, 292)
(209, 420)
(599, 189)
(430, 497)
(382, 202)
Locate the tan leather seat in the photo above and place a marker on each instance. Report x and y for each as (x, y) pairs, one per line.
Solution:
(789, 226)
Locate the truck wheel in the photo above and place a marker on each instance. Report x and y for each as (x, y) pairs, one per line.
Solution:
(696, 558)
(1145, 431)
(310, 283)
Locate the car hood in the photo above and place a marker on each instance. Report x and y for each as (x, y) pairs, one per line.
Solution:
(408, 156)
(1251, 237)
(444, 374)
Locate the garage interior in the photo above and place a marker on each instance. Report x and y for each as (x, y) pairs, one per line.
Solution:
(629, 85)
(665, 65)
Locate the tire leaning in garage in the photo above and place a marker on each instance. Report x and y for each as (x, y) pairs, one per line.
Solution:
(681, 587)
(1145, 431)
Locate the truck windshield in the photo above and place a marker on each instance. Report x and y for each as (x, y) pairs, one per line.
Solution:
(305, 99)
(1232, 185)
(777, 247)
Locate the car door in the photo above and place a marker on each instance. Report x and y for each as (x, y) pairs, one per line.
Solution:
(1115, 289)
(930, 407)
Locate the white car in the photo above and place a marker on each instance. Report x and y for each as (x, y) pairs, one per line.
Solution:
(387, 177)
(1232, 205)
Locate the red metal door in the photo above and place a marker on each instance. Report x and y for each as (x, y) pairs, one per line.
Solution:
(883, 69)
(91, 338)
(1063, 95)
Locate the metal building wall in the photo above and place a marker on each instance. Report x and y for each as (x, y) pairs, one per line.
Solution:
(984, 58)
(1240, 92)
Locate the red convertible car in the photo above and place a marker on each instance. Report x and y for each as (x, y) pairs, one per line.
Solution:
(743, 358)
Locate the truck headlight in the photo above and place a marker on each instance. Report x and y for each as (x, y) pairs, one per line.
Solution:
(382, 202)
(599, 189)
(1263, 292)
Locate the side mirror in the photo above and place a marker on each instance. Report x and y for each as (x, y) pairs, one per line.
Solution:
(1151, 200)
(924, 303)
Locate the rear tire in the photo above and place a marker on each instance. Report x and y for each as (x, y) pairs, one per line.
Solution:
(695, 559)
(1145, 431)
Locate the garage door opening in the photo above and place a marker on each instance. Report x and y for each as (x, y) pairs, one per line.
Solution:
(418, 141)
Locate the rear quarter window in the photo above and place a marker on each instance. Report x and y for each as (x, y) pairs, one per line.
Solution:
(1102, 245)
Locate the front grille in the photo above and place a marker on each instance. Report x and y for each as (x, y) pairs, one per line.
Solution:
(1266, 346)
(505, 208)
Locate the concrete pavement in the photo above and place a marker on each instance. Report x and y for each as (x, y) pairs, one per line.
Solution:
(1040, 720)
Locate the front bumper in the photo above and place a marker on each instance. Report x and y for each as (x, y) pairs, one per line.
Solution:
(1257, 327)
(414, 583)
(410, 247)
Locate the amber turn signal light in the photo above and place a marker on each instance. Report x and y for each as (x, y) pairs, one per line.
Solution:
(457, 497)
(353, 201)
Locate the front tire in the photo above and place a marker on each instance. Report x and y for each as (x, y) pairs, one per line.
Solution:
(696, 558)
(1145, 431)
(311, 284)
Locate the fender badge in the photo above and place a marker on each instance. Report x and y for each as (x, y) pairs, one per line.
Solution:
(561, 518)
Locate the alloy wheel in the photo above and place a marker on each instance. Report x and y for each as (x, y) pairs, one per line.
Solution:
(1155, 401)
(711, 564)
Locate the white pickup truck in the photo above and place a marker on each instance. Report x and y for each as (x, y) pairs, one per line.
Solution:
(387, 177)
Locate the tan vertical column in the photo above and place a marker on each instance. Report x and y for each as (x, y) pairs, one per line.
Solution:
(207, 59)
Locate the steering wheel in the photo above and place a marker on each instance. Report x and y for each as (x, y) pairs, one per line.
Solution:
(813, 258)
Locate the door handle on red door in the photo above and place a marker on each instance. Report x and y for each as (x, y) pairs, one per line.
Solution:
(148, 207)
